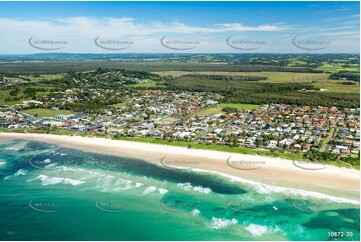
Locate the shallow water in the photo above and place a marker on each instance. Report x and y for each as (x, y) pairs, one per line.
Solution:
(54, 193)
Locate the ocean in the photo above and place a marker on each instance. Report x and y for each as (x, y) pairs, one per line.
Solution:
(49, 192)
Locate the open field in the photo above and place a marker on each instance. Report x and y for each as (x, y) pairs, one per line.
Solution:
(55, 67)
(119, 105)
(42, 112)
(319, 80)
(148, 83)
(4, 94)
(273, 77)
(336, 68)
(333, 86)
(240, 106)
(326, 140)
(44, 77)
(209, 111)
(218, 109)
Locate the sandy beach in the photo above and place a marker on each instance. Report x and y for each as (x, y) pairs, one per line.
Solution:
(272, 171)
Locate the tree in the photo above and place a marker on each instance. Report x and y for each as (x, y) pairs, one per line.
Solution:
(14, 92)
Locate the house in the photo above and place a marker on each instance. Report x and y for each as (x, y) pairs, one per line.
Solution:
(272, 144)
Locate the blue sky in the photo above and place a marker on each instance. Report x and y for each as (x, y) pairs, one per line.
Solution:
(199, 27)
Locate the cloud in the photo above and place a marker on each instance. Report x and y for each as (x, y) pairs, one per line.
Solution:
(80, 33)
(337, 28)
(239, 27)
(342, 18)
(113, 27)
(345, 33)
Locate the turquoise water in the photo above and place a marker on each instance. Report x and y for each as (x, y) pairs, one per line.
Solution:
(53, 193)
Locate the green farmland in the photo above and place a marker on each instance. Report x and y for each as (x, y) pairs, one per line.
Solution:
(42, 112)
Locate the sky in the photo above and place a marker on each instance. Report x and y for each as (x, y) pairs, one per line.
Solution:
(179, 27)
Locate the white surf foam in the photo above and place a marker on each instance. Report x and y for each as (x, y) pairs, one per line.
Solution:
(149, 190)
(256, 230)
(21, 172)
(195, 212)
(51, 165)
(138, 184)
(104, 181)
(122, 185)
(267, 189)
(47, 180)
(162, 191)
(219, 223)
(188, 187)
(80, 173)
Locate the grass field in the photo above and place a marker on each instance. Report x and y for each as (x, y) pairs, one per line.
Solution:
(327, 139)
(273, 77)
(225, 148)
(76, 65)
(119, 105)
(319, 80)
(44, 77)
(296, 62)
(337, 68)
(240, 106)
(4, 94)
(209, 111)
(41, 112)
(148, 83)
(218, 109)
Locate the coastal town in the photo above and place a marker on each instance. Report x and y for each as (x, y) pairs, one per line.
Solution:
(180, 121)
(195, 117)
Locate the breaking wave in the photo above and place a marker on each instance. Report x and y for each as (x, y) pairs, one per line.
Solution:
(188, 187)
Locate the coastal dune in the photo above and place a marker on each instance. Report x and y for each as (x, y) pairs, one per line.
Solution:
(268, 170)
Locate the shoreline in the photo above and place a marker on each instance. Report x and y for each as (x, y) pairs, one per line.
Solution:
(271, 171)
